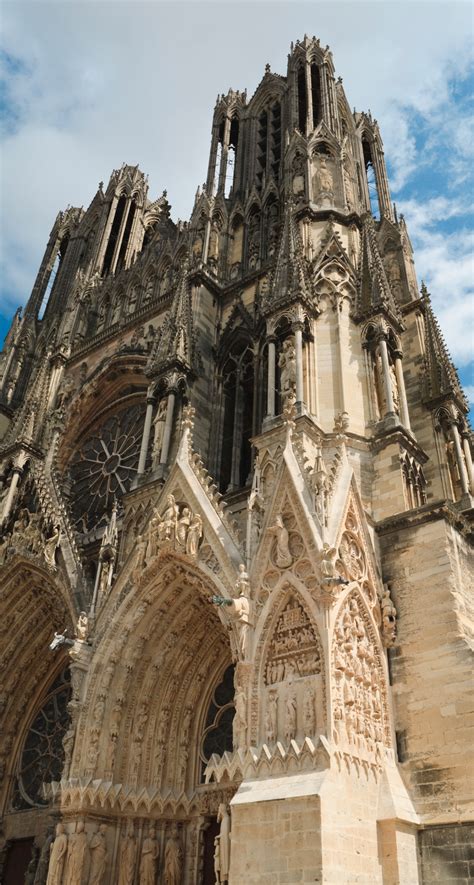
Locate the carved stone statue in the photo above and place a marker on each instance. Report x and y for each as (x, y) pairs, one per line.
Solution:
(44, 859)
(57, 857)
(98, 850)
(239, 725)
(213, 249)
(76, 855)
(309, 714)
(223, 818)
(327, 558)
(148, 860)
(128, 849)
(389, 617)
(217, 860)
(323, 179)
(271, 717)
(173, 859)
(287, 364)
(194, 535)
(182, 526)
(290, 716)
(241, 610)
(50, 546)
(283, 556)
(158, 427)
(167, 527)
(82, 629)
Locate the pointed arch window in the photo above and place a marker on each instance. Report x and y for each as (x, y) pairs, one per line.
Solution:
(316, 94)
(217, 735)
(371, 178)
(237, 418)
(53, 276)
(302, 100)
(42, 755)
(268, 145)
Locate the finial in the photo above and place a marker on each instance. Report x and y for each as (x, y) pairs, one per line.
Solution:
(268, 69)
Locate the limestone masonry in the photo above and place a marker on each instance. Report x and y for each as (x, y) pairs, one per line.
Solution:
(236, 604)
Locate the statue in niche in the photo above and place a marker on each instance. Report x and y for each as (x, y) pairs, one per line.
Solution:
(149, 858)
(309, 713)
(197, 245)
(379, 384)
(223, 818)
(323, 180)
(194, 535)
(241, 609)
(348, 185)
(173, 859)
(213, 249)
(283, 558)
(128, 849)
(98, 850)
(290, 716)
(297, 185)
(394, 386)
(392, 269)
(287, 365)
(57, 857)
(76, 855)
(271, 717)
(254, 241)
(50, 546)
(82, 628)
(158, 431)
(239, 725)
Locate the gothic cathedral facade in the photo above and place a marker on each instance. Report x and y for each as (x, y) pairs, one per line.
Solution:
(236, 490)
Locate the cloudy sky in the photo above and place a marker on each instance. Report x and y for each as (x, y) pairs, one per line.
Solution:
(89, 85)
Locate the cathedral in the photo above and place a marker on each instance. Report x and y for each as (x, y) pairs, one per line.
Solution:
(236, 498)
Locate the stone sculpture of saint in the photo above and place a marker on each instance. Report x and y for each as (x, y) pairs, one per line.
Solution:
(158, 428)
(128, 849)
(239, 725)
(50, 546)
(271, 717)
(327, 558)
(223, 818)
(287, 365)
(148, 860)
(82, 627)
(217, 860)
(290, 716)
(57, 857)
(194, 535)
(76, 855)
(98, 850)
(283, 556)
(182, 526)
(173, 859)
(167, 527)
(324, 177)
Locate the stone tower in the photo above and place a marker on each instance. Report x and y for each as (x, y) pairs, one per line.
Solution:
(236, 490)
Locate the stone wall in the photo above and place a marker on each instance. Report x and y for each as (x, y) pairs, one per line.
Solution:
(447, 854)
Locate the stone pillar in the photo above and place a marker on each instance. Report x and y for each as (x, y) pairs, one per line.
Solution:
(17, 472)
(298, 331)
(271, 382)
(460, 459)
(386, 376)
(404, 416)
(168, 427)
(146, 435)
(468, 458)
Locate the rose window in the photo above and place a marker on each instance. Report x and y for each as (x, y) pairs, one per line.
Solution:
(105, 465)
(42, 756)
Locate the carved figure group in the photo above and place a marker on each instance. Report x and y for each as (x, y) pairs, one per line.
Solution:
(182, 530)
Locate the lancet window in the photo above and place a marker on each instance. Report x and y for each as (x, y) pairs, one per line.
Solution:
(414, 483)
(268, 145)
(53, 276)
(237, 417)
(119, 237)
(371, 178)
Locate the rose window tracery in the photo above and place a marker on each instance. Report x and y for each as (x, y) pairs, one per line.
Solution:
(105, 465)
(42, 755)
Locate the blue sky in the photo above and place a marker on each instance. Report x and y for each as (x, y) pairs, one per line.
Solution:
(88, 85)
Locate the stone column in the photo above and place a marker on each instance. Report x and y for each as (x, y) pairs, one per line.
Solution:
(460, 459)
(386, 376)
(168, 428)
(298, 331)
(404, 416)
(271, 378)
(17, 472)
(150, 402)
(468, 458)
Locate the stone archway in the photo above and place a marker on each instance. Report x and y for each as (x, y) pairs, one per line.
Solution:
(161, 650)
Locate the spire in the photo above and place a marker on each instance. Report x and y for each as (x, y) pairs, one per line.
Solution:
(290, 281)
(440, 376)
(374, 293)
(176, 344)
